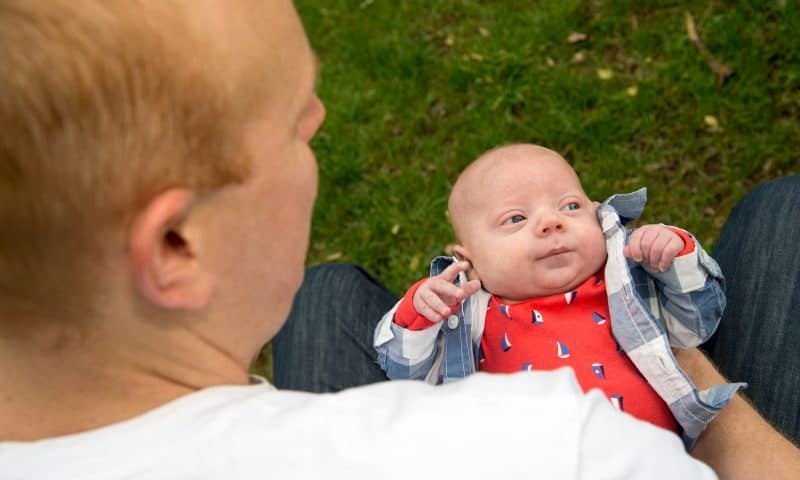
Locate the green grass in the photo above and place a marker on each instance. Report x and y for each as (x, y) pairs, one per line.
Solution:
(416, 89)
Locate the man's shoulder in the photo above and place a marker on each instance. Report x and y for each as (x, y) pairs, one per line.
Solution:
(514, 424)
(476, 425)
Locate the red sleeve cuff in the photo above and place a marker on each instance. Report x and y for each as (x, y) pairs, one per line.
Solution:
(406, 316)
(688, 241)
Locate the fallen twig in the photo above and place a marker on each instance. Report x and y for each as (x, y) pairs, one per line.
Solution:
(722, 71)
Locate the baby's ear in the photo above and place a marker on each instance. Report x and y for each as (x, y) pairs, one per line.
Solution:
(461, 253)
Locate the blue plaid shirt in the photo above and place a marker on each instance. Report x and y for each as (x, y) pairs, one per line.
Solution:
(650, 311)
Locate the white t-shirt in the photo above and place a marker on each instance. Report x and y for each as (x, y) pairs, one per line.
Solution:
(526, 425)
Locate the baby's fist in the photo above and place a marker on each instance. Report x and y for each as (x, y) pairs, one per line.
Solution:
(655, 246)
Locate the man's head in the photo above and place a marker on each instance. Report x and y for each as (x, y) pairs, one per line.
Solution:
(523, 220)
(160, 147)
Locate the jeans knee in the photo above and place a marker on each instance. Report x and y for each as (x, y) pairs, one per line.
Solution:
(334, 273)
(765, 206)
(779, 190)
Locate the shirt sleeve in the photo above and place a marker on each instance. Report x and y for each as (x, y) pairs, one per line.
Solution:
(614, 445)
(406, 353)
(690, 294)
(688, 241)
(521, 425)
(689, 270)
(406, 315)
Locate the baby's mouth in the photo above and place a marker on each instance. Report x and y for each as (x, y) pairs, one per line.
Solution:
(553, 252)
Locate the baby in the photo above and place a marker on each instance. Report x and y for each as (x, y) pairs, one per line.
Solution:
(554, 280)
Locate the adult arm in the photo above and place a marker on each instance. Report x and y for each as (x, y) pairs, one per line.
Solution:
(739, 444)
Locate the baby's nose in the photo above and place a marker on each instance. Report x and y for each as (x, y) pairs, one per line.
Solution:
(550, 223)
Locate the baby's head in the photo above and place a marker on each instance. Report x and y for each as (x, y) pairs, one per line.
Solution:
(523, 220)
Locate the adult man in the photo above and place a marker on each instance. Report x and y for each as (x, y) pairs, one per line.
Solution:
(157, 186)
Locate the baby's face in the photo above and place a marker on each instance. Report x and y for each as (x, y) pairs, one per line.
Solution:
(527, 226)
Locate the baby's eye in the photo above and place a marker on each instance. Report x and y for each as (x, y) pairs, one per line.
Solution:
(571, 206)
(514, 219)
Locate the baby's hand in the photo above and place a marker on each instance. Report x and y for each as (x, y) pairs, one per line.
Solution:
(434, 299)
(655, 246)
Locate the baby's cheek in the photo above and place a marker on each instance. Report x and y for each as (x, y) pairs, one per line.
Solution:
(597, 252)
(499, 283)
(485, 278)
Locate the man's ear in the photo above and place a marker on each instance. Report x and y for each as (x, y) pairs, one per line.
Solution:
(163, 257)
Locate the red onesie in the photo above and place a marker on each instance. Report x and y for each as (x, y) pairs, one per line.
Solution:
(571, 329)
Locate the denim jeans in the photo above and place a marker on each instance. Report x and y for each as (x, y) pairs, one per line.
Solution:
(326, 344)
(758, 340)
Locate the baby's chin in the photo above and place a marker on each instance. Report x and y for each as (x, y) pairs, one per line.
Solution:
(544, 289)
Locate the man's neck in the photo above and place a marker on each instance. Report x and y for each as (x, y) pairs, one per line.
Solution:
(48, 391)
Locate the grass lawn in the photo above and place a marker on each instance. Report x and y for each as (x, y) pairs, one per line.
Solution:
(416, 89)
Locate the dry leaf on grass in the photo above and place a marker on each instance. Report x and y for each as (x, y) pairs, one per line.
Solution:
(712, 123)
(576, 37)
(414, 263)
(605, 74)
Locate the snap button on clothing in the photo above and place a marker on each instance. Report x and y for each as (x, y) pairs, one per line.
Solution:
(452, 321)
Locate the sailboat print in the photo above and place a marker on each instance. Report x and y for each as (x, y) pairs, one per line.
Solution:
(599, 370)
(616, 400)
(505, 343)
(570, 296)
(527, 367)
(563, 351)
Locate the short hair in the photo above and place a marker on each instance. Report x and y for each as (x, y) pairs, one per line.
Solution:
(103, 104)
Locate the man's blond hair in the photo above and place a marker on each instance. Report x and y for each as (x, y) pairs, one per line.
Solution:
(103, 104)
